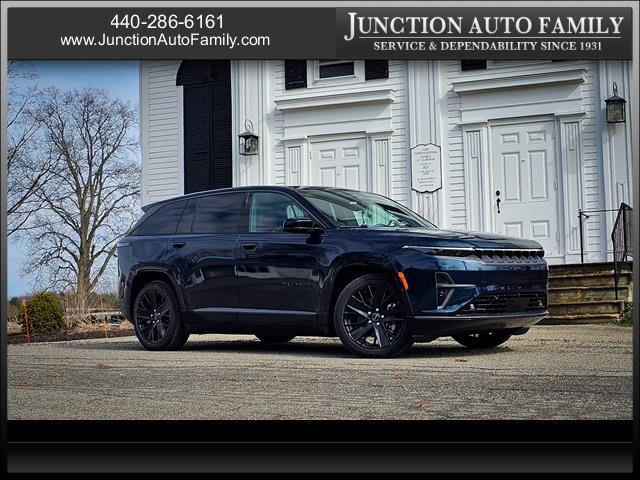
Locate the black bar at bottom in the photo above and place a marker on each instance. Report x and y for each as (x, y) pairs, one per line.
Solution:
(322, 458)
(292, 431)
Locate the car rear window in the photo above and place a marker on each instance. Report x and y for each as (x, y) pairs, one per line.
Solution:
(219, 213)
(163, 221)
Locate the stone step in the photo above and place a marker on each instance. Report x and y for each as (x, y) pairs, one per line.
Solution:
(587, 307)
(578, 294)
(582, 268)
(588, 280)
(553, 274)
(580, 319)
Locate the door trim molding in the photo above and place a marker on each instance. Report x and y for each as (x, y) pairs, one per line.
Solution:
(572, 192)
(336, 137)
(499, 122)
(476, 178)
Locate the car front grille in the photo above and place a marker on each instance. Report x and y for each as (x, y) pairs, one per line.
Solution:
(487, 255)
(510, 256)
(493, 304)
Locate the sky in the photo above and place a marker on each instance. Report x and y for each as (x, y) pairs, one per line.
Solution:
(119, 78)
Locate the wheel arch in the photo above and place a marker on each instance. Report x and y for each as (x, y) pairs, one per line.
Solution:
(345, 272)
(144, 276)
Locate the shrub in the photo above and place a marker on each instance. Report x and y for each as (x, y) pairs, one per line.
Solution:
(627, 315)
(15, 302)
(45, 313)
(13, 312)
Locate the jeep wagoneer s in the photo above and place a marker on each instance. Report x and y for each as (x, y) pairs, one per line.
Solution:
(280, 262)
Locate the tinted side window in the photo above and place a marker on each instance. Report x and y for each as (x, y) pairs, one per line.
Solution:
(163, 221)
(269, 210)
(187, 216)
(219, 213)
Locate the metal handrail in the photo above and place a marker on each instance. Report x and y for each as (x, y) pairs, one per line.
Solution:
(621, 236)
(582, 215)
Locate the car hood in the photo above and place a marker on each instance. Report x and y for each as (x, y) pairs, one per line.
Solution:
(452, 238)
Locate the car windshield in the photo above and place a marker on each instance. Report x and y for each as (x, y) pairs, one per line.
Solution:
(361, 209)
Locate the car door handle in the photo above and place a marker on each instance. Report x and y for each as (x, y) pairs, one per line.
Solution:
(177, 245)
(250, 247)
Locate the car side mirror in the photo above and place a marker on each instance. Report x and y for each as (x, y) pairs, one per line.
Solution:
(299, 225)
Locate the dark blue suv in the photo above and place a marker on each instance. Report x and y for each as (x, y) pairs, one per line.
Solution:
(279, 262)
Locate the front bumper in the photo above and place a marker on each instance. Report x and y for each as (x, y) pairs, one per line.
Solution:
(442, 325)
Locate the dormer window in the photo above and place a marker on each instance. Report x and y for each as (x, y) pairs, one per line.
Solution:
(335, 68)
(333, 72)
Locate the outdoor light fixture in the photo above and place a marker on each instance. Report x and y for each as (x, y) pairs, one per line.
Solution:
(248, 141)
(615, 107)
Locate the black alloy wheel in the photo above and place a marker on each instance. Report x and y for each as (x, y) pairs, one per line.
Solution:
(370, 317)
(156, 318)
(488, 339)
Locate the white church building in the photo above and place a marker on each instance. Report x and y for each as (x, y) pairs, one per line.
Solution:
(532, 134)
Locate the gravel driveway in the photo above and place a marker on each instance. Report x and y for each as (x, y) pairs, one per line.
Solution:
(553, 372)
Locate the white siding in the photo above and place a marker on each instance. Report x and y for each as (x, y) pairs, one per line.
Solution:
(160, 130)
(279, 171)
(399, 175)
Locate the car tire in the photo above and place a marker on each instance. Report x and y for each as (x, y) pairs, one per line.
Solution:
(274, 339)
(370, 317)
(156, 318)
(489, 339)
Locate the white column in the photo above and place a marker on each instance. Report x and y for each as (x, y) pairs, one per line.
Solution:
(425, 119)
(250, 101)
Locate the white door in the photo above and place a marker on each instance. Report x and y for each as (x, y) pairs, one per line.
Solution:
(340, 163)
(525, 184)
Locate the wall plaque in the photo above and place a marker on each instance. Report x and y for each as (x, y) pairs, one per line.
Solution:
(426, 168)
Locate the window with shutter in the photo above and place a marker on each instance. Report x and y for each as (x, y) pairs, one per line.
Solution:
(207, 124)
(295, 74)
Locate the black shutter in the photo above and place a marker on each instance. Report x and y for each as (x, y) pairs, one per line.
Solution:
(221, 134)
(207, 124)
(197, 146)
(295, 74)
(473, 65)
(374, 69)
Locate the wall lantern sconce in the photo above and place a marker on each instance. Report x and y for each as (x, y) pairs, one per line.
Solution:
(615, 107)
(248, 141)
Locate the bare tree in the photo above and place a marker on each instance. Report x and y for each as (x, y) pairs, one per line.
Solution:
(28, 166)
(91, 199)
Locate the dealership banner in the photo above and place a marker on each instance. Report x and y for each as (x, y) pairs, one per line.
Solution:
(298, 33)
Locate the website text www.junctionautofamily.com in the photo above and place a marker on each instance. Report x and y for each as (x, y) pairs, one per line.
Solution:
(162, 39)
